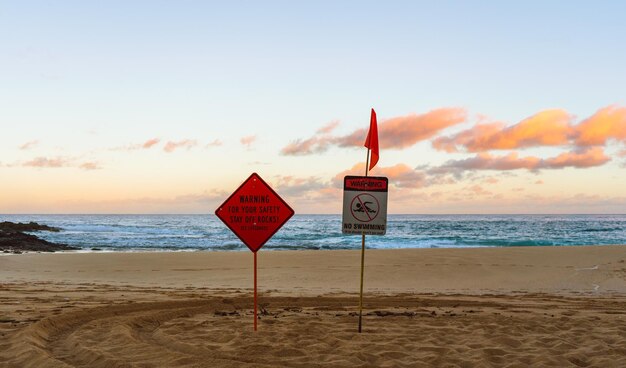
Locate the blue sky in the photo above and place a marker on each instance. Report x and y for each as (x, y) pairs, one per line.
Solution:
(83, 78)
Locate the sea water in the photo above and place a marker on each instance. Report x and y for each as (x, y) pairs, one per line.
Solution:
(206, 232)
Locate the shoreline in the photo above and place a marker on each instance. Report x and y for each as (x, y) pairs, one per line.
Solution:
(265, 249)
(552, 269)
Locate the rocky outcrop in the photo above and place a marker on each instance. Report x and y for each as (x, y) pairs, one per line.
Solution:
(14, 240)
(23, 226)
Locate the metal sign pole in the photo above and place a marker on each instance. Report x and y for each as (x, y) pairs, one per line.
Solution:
(255, 297)
(240, 213)
(367, 163)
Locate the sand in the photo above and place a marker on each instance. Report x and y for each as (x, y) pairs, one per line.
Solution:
(503, 307)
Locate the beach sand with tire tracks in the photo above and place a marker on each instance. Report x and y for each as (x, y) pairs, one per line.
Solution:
(509, 307)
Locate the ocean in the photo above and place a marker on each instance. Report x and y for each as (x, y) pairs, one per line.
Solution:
(321, 232)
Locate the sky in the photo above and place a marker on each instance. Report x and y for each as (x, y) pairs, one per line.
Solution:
(166, 107)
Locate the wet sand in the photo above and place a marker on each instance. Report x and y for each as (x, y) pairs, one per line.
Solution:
(509, 307)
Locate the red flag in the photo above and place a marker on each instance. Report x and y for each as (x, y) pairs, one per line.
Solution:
(372, 140)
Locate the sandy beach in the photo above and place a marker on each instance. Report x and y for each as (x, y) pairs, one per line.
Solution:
(508, 307)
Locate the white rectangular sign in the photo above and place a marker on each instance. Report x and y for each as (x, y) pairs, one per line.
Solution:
(365, 205)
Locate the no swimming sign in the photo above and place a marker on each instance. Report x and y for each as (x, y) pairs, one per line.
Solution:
(365, 205)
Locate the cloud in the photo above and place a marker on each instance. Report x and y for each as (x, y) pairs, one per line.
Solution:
(90, 166)
(308, 146)
(328, 128)
(546, 128)
(214, 143)
(312, 193)
(137, 146)
(590, 157)
(248, 140)
(172, 146)
(59, 162)
(399, 132)
(150, 142)
(478, 190)
(28, 145)
(485, 161)
(539, 182)
(400, 175)
(44, 162)
(169, 147)
(405, 131)
(325, 196)
(607, 123)
(295, 187)
(320, 142)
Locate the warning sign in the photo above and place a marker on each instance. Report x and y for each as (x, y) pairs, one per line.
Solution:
(254, 212)
(365, 205)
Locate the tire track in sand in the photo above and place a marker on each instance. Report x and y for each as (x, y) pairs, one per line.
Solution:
(409, 331)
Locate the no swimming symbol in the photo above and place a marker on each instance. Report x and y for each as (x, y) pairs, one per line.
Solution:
(364, 207)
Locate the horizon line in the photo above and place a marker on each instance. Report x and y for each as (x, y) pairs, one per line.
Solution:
(315, 214)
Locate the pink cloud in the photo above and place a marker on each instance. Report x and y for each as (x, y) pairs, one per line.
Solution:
(307, 146)
(44, 162)
(150, 142)
(296, 187)
(399, 175)
(90, 166)
(60, 162)
(328, 128)
(607, 123)
(539, 182)
(137, 146)
(484, 161)
(248, 140)
(171, 146)
(399, 132)
(546, 128)
(590, 157)
(478, 190)
(405, 131)
(28, 145)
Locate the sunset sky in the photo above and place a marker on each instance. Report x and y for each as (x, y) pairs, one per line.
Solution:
(166, 107)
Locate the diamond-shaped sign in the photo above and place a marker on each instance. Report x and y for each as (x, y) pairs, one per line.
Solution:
(254, 212)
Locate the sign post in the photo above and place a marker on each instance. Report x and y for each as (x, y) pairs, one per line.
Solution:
(364, 212)
(254, 212)
(362, 205)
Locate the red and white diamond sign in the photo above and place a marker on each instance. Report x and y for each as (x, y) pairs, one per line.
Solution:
(254, 212)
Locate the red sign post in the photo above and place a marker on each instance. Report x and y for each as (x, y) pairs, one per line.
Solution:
(254, 212)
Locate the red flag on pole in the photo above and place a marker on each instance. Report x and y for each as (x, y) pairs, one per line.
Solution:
(372, 140)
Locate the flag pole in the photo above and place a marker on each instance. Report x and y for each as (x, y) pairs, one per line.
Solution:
(367, 164)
